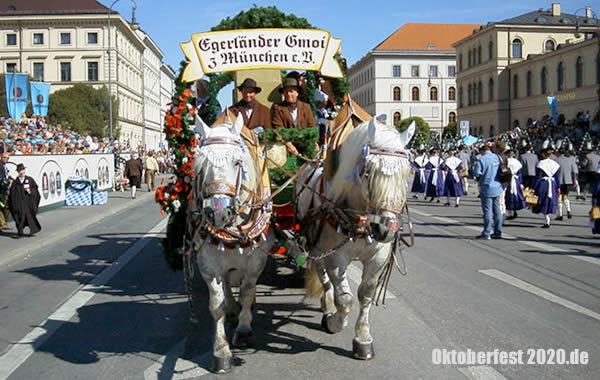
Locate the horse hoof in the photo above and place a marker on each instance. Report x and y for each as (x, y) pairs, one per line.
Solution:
(243, 340)
(324, 323)
(362, 351)
(222, 365)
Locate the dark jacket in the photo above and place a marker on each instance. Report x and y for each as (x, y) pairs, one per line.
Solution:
(24, 200)
(281, 116)
(133, 168)
(260, 117)
(3, 170)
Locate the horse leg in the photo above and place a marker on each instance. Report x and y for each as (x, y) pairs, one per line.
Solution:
(327, 302)
(232, 307)
(362, 345)
(222, 358)
(242, 337)
(336, 269)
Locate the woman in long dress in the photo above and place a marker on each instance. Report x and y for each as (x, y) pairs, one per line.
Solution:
(453, 183)
(513, 196)
(546, 186)
(435, 180)
(420, 181)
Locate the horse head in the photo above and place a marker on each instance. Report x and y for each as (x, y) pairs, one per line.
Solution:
(220, 169)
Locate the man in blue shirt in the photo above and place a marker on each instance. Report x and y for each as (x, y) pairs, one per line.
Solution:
(490, 190)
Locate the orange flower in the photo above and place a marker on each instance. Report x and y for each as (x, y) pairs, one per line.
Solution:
(173, 196)
(187, 92)
(181, 106)
(188, 196)
(183, 148)
(178, 188)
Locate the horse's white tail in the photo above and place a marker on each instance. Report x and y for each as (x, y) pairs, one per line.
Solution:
(312, 284)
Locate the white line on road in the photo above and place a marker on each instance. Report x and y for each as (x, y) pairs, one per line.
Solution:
(171, 366)
(482, 372)
(588, 259)
(19, 352)
(499, 275)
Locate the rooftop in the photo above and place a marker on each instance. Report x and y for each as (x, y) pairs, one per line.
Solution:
(50, 7)
(545, 18)
(426, 37)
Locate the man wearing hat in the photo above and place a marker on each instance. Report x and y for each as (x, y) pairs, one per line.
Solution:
(255, 114)
(24, 200)
(292, 112)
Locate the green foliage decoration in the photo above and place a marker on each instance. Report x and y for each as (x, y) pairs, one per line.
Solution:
(422, 127)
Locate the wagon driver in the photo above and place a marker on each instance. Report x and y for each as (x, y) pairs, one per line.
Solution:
(292, 112)
(255, 114)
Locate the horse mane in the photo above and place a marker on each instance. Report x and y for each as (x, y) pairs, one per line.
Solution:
(387, 175)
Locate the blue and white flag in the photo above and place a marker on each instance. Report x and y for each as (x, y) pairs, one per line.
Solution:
(16, 94)
(553, 103)
(40, 95)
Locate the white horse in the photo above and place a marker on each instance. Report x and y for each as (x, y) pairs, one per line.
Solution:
(227, 230)
(370, 185)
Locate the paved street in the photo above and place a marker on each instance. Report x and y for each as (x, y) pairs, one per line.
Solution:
(91, 297)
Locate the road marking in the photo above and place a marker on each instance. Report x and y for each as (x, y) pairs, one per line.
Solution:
(171, 366)
(588, 259)
(355, 274)
(538, 292)
(19, 352)
(419, 212)
(445, 220)
(482, 372)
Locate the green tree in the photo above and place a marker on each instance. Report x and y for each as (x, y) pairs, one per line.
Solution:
(422, 127)
(83, 108)
(180, 86)
(450, 130)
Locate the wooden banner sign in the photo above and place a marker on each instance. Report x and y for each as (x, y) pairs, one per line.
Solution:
(246, 49)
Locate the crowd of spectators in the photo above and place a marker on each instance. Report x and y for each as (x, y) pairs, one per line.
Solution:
(34, 136)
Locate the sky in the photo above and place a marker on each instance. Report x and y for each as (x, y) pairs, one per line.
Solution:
(360, 24)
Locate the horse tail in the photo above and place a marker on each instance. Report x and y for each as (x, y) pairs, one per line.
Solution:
(312, 283)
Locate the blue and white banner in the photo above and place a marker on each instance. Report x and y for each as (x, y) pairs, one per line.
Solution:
(40, 95)
(553, 103)
(16, 94)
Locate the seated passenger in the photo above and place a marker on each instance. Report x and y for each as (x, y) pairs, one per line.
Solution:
(255, 114)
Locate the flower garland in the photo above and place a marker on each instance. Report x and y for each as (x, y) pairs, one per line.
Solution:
(174, 196)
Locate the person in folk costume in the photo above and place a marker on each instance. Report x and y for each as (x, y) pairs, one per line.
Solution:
(513, 196)
(546, 186)
(435, 180)
(420, 181)
(595, 223)
(255, 114)
(452, 166)
(24, 200)
(568, 174)
(529, 160)
(292, 112)
(133, 172)
(465, 157)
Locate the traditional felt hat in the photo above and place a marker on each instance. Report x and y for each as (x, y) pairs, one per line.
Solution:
(20, 167)
(289, 82)
(250, 83)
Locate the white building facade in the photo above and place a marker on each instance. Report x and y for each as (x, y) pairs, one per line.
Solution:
(167, 90)
(63, 46)
(407, 76)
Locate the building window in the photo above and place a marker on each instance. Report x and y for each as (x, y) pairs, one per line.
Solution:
(397, 94)
(491, 130)
(92, 38)
(65, 38)
(460, 65)
(549, 45)
(451, 71)
(38, 38)
(433, 71)
(515, 86)
(528, 84)
(11, 67)
(491, 90)
(38, 71)
(543, 81)
(65, 71)
(415, 93)
(560, 77)
(92, 71)
(414, 71)
(470, 58)
(397, 119)
(479, 93)
(579, 72)
(460, 97)
(452, 94)
(491, 50)
(452, 117)
(396, 71)
(469, 95)
(433, 93)
(11, 39)
(479, 54)
(517, 48)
